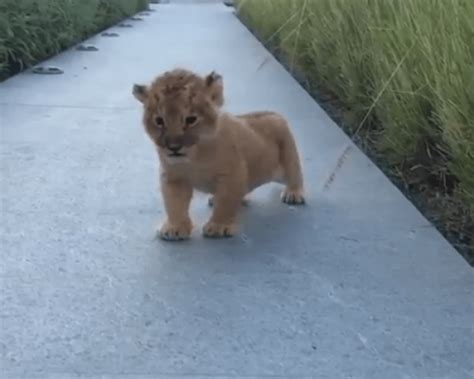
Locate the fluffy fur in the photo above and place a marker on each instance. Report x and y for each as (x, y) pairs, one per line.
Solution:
(201, 147)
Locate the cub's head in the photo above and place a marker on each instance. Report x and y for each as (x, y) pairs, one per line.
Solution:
(180, 109)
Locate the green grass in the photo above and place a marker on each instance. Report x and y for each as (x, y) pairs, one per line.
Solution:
(404, 72)
(31, 30)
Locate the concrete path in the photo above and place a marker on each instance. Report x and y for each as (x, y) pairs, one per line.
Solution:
(357, 284)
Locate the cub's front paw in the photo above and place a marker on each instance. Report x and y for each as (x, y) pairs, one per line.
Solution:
(215, 230)
(175, 232)
(293, 197)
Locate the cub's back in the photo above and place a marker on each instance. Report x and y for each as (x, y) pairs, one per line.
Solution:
(271, 126)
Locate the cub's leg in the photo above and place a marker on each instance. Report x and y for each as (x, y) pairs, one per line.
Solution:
(292, 173)
(177, 197)
(227, 201)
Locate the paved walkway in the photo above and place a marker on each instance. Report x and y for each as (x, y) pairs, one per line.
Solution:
(357, 284)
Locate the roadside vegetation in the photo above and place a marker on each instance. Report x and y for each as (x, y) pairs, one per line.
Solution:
(32, 30)
(398, 76)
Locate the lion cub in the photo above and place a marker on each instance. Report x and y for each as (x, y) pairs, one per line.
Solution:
(201, 147)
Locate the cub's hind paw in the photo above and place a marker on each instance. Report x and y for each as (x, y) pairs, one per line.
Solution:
(293, 197)
(175, 232)
(215, 230)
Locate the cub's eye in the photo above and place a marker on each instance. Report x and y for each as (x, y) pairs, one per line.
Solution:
(190, 120)
(159, 121)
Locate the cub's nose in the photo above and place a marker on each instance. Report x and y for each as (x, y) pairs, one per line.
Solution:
(174, 148)
(173, 145)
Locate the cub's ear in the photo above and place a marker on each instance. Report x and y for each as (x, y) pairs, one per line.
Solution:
(215, 86)
(140, 92)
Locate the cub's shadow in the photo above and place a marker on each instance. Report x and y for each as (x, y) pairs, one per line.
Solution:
(268, 230)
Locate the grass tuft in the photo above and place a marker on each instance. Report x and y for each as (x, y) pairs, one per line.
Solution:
(32, 30)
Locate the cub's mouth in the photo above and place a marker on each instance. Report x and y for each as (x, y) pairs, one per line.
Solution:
(176, 154)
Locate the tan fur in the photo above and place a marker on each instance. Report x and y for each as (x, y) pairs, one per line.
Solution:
(221, 154)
